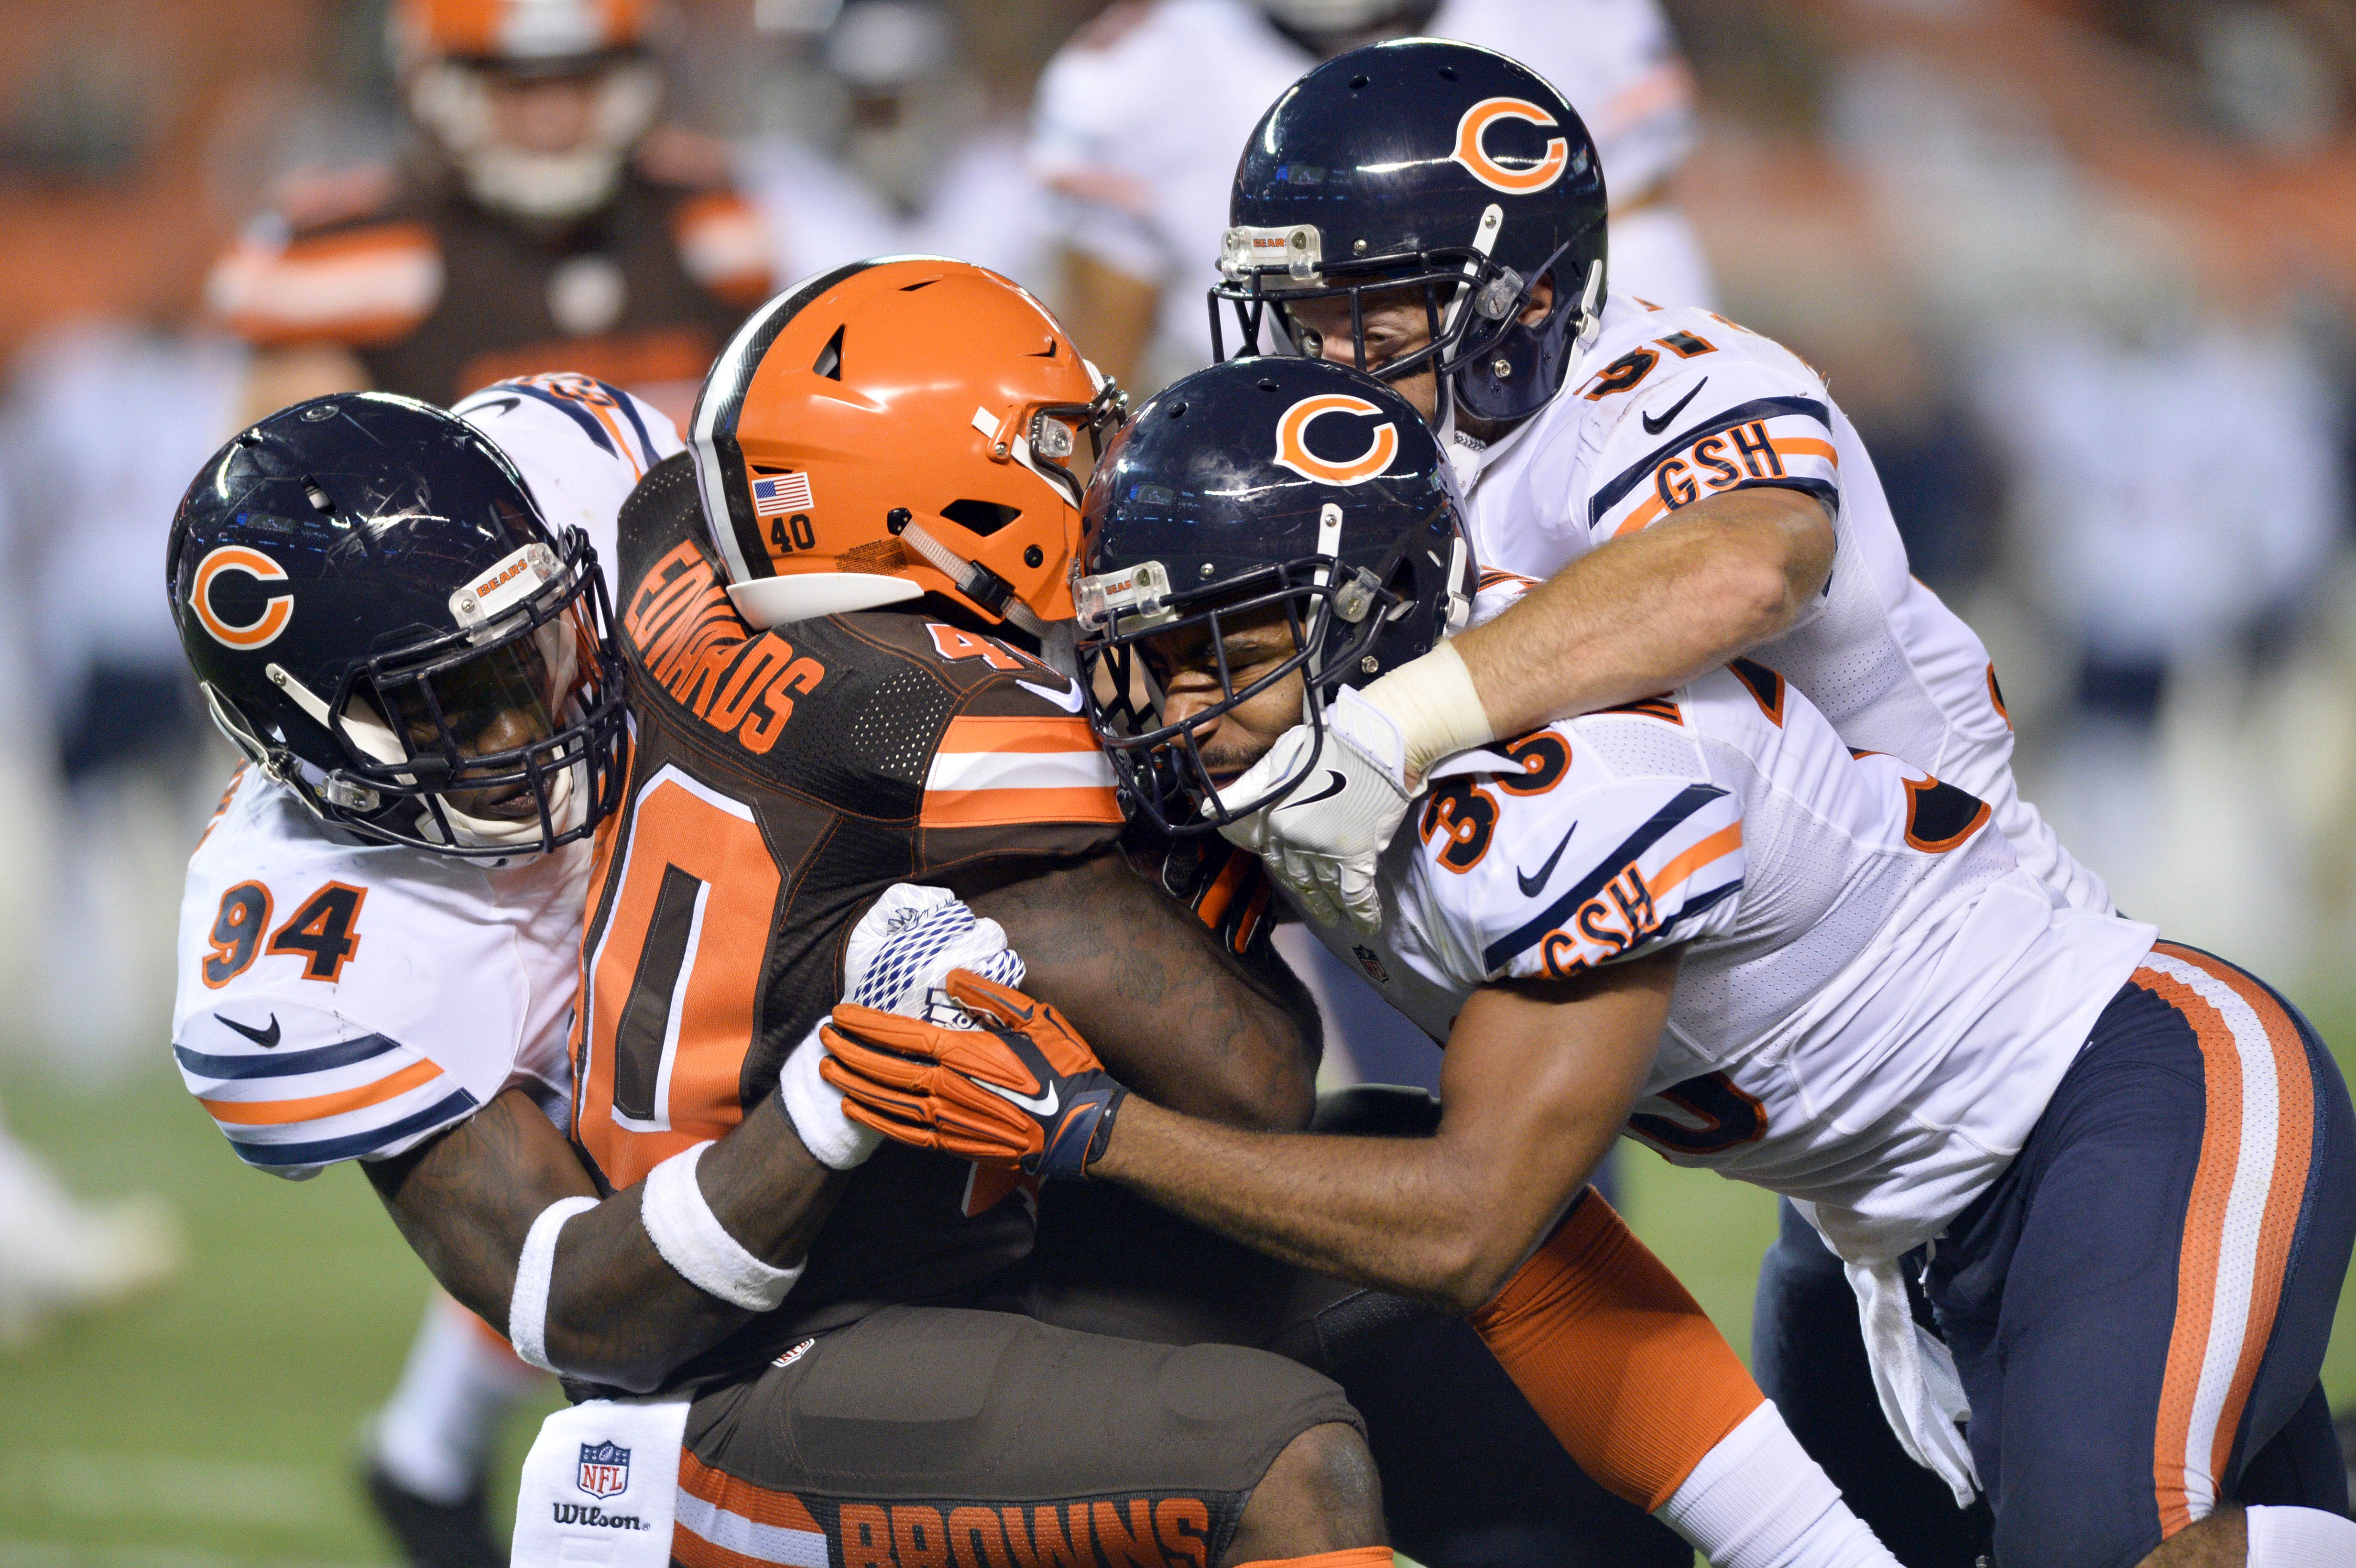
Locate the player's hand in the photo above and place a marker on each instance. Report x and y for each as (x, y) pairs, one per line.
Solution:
(1323, 840)
(1023, 1087)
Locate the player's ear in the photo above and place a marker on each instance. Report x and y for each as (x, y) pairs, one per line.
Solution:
(1541, 300)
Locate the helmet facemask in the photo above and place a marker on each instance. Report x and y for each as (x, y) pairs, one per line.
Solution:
(1487, 362)
(503, 738)
(1333, 615)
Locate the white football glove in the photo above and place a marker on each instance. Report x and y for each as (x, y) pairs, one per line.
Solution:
(897, 959)
(1324, 839)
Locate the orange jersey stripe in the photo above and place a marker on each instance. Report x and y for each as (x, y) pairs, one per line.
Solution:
(1024, 734)
(1011, 808)
(1221, 890)
(782, 1511)
(1718, 845)
(1805, 446)
(278, 1113)
(1642, 515)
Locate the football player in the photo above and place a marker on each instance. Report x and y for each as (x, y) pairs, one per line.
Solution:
(1136, 117)
(1701, 918)
(545, 224)
(1687, 491)
(582, 445)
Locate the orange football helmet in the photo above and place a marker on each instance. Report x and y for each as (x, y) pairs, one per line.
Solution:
(517, 32)
(894, 428)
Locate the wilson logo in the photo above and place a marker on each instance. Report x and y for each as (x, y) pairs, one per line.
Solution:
(1293, 441)
(1475, 156)
(276, 610)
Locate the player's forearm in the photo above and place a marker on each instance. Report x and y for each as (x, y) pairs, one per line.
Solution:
(1649, 612)
(1433, 1217)
(1172, 1015)
(619, 1313)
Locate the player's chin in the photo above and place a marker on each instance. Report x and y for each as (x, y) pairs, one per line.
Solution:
(1226, 764)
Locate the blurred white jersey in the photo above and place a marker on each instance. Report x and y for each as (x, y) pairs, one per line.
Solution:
(1670, 406)
(1874, 1000)
(583, 446)
(1140, 118)
(341, 1000)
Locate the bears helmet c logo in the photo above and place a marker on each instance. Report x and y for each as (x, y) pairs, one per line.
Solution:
(1292, 446)
(1494, 175)
(276, 610)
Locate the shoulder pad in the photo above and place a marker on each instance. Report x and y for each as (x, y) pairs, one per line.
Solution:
(295, 1089)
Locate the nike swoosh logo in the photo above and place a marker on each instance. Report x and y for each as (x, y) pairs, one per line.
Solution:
(1068, 700)
(266, 1037)
(1655, 426)
(1040, 1105)
(1331, 790)
(496, 406)
(1531, 885)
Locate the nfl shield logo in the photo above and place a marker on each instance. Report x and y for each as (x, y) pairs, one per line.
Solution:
(604, 1468)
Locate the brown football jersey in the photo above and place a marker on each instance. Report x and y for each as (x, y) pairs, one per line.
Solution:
(437, 296)
(779, 782)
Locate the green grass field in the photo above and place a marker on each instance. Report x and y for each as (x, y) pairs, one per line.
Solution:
(213, 1423)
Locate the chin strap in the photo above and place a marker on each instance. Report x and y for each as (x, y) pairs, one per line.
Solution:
(973, 579)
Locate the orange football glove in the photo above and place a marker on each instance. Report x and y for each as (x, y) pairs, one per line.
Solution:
(1022, 1088)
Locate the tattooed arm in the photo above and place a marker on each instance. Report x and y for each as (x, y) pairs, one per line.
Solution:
(617, 1314)
(1161, 1000)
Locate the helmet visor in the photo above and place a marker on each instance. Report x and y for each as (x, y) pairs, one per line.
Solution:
(1162, 689)
(504, 738)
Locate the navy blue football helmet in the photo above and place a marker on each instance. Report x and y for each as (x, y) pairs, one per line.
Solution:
(381, 621)
(1283, 486)
(1422, 164)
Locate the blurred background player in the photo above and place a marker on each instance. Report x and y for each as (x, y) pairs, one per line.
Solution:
(544, 222)
(892, 137)
(1139, 119)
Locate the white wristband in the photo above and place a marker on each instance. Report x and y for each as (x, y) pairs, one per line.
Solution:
(528, 1306)
(1436, 706)
(816, 1107)
(691, 1239)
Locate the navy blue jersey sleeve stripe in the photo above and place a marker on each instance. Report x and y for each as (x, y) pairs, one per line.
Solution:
(575, 412)
(327, 1151)
(648, 457)
(293, 1064)
(1635, 474)
(1689, 800)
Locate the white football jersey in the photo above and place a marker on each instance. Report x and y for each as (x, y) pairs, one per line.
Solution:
(1875, 999)
(583, 446)
(1140, 118)
(1672, 405)
(341, 1000)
